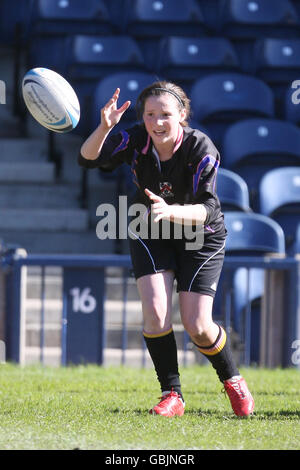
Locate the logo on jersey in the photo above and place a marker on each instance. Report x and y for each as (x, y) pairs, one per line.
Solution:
(165, 189)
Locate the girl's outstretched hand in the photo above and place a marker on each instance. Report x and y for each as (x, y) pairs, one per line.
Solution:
(110, 113)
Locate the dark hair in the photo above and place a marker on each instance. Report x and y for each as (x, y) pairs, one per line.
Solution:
(158, 88)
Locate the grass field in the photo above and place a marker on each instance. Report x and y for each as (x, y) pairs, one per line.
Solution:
(107, 408)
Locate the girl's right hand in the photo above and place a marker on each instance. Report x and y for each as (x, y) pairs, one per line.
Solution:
(110, 114)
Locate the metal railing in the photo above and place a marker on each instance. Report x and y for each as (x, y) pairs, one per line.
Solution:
(83, 329)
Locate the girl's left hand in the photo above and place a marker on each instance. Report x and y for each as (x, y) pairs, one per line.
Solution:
(159, 207)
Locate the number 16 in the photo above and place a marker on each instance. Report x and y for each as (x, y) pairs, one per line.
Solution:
(83, 301)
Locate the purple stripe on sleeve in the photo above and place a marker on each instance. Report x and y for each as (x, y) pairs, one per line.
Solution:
(208, 159)
(133, 165)
(124, 142)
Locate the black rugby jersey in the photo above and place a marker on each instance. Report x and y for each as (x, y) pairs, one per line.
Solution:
(189, 177)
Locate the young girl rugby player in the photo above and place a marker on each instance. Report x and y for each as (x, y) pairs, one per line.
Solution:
(175, 169)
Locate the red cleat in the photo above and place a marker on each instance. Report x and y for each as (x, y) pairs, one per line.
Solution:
(241, 399)
(171, 404)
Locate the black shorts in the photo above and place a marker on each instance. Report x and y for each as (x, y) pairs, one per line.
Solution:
(195, 270)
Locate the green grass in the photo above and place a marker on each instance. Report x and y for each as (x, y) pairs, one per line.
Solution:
(107, 408)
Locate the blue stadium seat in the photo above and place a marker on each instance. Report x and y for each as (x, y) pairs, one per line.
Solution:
(232, 191)
(163, 17)
(130, 84)
(221, 99)
(279, 196)
(253, 234)
(259, 18)
(243, 21)
(189, 58)
(254, 146)
(285, 178)
(277, 60)
(93, 57)
(70, 17)
(149, 21)
(54, 20)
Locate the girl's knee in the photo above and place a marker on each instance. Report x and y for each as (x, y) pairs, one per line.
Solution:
(198, 330)
(156, 318)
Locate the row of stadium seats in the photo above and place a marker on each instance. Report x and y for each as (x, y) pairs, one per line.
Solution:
(249, 146)
(46, 24)
(184, 59)
(252, 147)
(279, 199)
(142, 18)
(217, 100)
(57, 38)
(98, 42)
(236, 111)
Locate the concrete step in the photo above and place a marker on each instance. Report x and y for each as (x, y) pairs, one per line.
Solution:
(50, 220)
(23, 150)
(58, 242)
(27, 172)
(39, 196)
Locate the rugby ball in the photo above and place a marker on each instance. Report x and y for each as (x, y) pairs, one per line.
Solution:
(51, 100)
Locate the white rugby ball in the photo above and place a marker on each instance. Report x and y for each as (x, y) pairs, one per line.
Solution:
(51, 100)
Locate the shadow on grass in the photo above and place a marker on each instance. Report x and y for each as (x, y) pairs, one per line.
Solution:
(278, 415)
(218, 414)
(190, 412)
(276, 394)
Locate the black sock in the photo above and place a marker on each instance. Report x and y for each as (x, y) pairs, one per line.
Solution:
(220, 356)
(163, 351)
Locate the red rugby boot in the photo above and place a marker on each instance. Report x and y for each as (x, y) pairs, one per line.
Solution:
(171, 404)
(241, 399)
